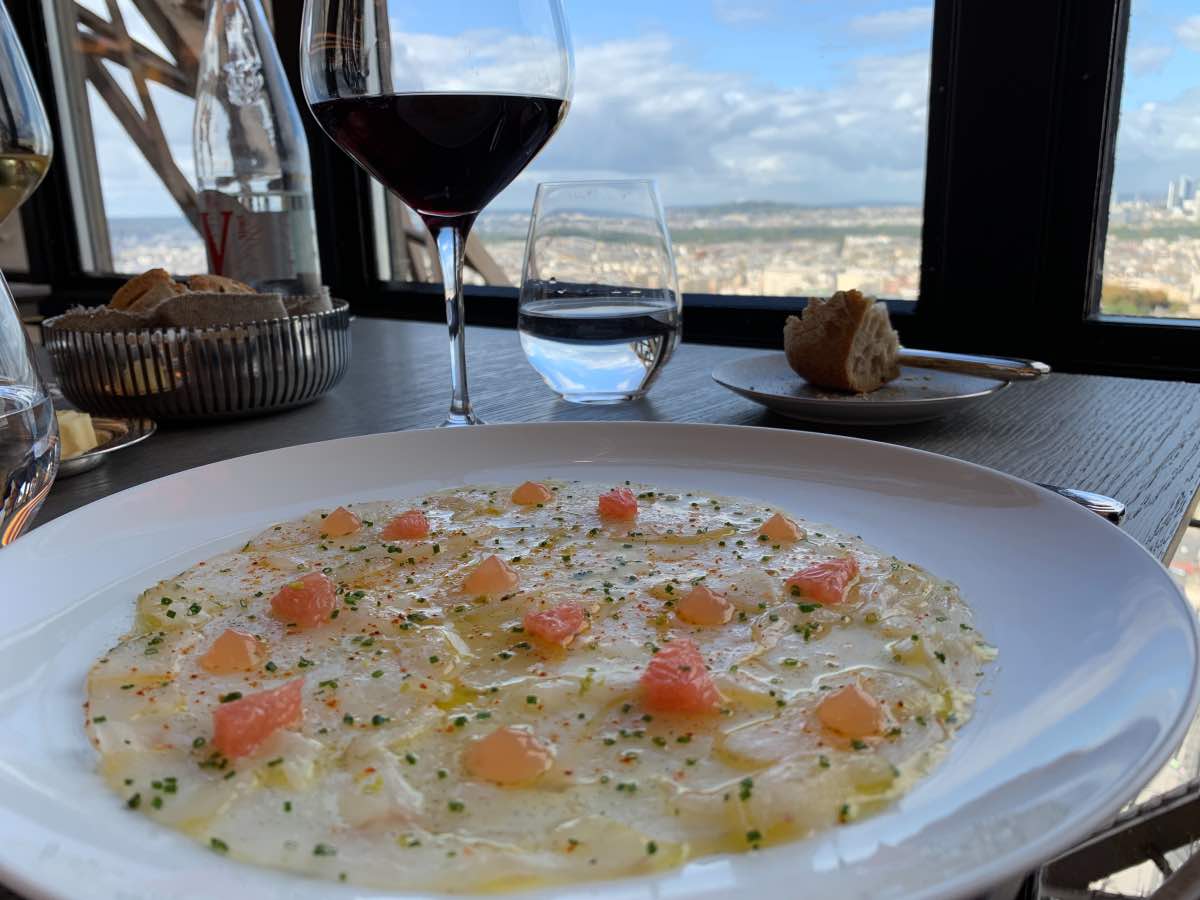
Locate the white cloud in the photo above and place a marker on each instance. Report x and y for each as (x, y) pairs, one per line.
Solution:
(642, 110)
(1188, 32)
(1158, 142)
(893, 22)
(1147, 58)
(716, 136)
(743, 12)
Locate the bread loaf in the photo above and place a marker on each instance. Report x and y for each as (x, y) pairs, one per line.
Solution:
(201, 310)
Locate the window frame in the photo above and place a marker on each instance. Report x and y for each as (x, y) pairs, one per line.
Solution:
(1031, 131)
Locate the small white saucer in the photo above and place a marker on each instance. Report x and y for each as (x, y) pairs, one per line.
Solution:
(918, 395)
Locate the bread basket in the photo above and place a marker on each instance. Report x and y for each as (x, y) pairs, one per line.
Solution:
(181, 373)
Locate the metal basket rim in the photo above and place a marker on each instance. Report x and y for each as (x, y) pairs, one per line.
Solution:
(51, 324)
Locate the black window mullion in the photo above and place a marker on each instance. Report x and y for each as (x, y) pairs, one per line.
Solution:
(987, 184)
(1088, 98)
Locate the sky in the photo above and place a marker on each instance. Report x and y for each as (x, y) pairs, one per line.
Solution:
(806, 101)
(1159, 134)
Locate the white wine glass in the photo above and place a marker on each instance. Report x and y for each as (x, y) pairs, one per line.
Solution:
(445, 102)
(25, 141)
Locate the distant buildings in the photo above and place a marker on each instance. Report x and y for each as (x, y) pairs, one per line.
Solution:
(1180, 192)
(780, 250)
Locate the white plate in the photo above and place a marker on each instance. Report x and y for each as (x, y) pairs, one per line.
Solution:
(918, 395)
(1094, 687)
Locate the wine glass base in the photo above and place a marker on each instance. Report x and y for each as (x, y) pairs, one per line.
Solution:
(457, 420)
(602, 399)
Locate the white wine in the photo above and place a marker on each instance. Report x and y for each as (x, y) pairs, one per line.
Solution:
(20, 173)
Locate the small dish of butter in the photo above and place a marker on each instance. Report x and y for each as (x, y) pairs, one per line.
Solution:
(86, 440)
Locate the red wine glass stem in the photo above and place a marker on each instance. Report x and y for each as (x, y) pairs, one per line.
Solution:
(451, 244)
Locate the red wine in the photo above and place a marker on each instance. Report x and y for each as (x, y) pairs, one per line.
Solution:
(446, 155)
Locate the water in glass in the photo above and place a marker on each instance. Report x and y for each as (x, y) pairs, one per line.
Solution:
(600, 312)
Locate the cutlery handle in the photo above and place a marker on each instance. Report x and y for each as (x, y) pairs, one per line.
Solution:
(986, 366)
(1113, 510)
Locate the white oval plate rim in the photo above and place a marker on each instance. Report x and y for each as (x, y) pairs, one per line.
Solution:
(1077, 826)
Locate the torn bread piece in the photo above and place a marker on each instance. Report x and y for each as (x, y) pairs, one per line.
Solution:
(156, 282)
(846, 343)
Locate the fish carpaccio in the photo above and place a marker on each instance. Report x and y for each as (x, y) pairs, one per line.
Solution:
(532, 690)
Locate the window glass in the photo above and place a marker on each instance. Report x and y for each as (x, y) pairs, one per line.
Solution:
(127, 84)
(1152, 255)
(788, 140)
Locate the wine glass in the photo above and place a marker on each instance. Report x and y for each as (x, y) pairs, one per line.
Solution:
(25, 141)
(28, 428)
(445, 102)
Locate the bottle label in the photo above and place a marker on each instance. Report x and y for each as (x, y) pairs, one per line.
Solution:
(254, 246)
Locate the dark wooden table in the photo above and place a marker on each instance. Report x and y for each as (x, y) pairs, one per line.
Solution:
(1138, 441)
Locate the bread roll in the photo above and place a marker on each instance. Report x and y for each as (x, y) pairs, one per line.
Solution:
(845, 343)
(158, 281)
(218, 284)
(154, 295)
